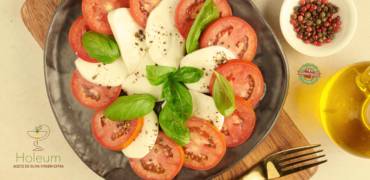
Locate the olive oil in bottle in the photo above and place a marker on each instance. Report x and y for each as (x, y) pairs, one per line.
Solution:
(345, 109)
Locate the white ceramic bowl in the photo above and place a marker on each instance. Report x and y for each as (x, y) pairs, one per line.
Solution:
(348, 14)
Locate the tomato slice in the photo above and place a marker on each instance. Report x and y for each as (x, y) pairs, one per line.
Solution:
(76, 31)
(115, 135)
(91, 95)
(187, 11)
(233, 33)
(95, 13)
(239, 126)
(140, 10)
(245, 78)
(164, 161)
(207, 145)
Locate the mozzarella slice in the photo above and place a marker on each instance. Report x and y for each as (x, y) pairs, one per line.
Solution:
(166, 45)
(204, 107)
(137, 82)
(144, 142)
(207, 59)
(129, 36)
(102, 74)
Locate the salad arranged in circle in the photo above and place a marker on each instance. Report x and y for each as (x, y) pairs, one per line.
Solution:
(172, 82)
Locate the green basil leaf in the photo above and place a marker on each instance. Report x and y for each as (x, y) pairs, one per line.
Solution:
(223, 95)
(207, 14)
(188, 75)
(158, 74)
(173, 126)
(101, 47)
(130, 107)
(178, 95)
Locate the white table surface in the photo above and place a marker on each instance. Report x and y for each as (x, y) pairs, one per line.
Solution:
(24, 104)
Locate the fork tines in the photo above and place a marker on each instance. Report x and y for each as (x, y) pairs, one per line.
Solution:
(297, 159)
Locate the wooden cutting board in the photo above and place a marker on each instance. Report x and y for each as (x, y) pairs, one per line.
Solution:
(37, 16)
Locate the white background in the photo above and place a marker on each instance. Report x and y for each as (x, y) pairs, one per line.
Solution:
(24, 104)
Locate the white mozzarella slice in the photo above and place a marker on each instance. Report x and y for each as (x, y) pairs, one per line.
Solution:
(102, 74)
(137, 82)
(207, 59)
(166, 45)
(144, 63)
(204, 107)
(144, 142)
(129, 36)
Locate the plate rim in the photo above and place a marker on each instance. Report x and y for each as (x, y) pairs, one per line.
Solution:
(286, 85)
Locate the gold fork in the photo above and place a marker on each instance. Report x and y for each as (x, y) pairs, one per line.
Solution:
(286, 162)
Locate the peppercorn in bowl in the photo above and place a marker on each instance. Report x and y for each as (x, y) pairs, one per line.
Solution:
(318, 28)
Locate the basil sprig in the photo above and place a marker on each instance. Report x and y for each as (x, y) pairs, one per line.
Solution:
(207, 14)
(178, 106)
(173, 125)
(179, 98)
(223, 95)
(158, 74)
(130, 107)
(178, 109)
(188, 75)
(101, 47)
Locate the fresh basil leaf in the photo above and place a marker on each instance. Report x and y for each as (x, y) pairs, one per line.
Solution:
(101, 47)
(223, 95)
(158, 74)
(207, 14)
(173, 126)
(130, 107)
(178, 95)
(188, 75)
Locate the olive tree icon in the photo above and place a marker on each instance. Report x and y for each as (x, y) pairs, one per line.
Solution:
(39, 133)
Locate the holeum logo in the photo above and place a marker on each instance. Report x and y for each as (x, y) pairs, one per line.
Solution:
(39, 133)
(38, 157)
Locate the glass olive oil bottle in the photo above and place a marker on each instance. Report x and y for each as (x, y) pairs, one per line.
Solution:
(344, 109)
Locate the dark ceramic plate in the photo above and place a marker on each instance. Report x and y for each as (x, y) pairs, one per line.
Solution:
(74, 120)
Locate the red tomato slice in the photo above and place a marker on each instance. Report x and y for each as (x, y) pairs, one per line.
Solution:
(187, 11)
(233, 33)
(207, 145)
(76, 31)
(140, 10)
(245, 78)
(164, 161)
(92, 95)
(115, 135)
(239, 126)
(95, 13)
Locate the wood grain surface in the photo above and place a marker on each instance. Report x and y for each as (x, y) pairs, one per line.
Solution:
(37, 16)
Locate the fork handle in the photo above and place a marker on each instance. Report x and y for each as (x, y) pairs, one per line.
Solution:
(254, 174)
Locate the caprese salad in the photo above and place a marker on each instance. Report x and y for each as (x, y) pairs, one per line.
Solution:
(172, 82)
